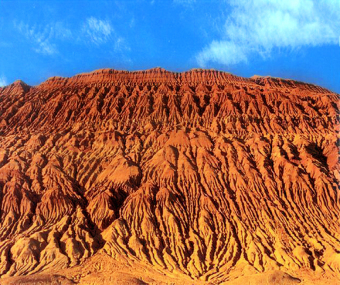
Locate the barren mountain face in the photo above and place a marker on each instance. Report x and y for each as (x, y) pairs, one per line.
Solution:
(153, 177)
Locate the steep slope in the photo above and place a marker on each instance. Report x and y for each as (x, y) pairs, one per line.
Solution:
(200, 175)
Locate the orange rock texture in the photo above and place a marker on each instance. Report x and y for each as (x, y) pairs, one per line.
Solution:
(197, 175)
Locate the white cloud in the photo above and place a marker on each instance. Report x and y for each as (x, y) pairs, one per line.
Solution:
(3, 81)
(259, 27)
(45, 39)
(45, 47)
(98, 31)
(120, 45)
(42, 37)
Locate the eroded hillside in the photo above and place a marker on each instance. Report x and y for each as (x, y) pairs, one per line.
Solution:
(196, 175)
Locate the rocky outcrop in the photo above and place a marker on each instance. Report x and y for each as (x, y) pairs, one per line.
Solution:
(199, 173)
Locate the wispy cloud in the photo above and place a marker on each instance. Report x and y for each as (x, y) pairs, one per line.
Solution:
(42, 37)
(45, 47)
(45, 39)
(121, 45)
(260, 27)
(3, 81)
(97, 31)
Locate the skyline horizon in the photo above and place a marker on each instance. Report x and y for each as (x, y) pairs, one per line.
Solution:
(166, 70)
(296, 40)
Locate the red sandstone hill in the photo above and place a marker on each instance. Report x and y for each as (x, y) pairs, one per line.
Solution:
(154, 177)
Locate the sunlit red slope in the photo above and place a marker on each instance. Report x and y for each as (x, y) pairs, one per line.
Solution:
(197, 174)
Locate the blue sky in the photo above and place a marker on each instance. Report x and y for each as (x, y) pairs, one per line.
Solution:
(298, 39)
